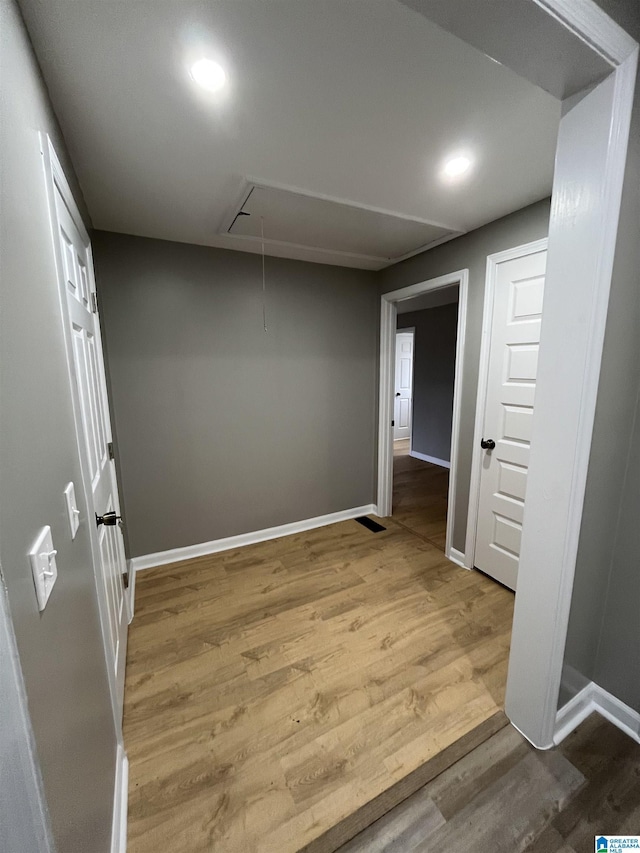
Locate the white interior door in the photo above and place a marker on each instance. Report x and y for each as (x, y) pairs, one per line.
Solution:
(94, 437)
(511, 385)
(404, 385)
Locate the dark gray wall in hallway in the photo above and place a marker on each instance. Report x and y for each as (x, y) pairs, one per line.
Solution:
(434, 363)
(60, 650)
(222, 428)
(469, 252)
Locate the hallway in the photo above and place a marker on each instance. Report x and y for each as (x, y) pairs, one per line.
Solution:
(420, 495)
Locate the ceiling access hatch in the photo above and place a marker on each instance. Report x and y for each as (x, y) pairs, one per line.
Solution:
(295, 218)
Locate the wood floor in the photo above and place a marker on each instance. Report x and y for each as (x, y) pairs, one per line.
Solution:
(506, 797)
(420, 495)
(275, 690)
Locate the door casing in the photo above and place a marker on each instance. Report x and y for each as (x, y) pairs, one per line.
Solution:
(388, 322)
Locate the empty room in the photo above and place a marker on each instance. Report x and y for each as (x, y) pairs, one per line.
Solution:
(313, 536)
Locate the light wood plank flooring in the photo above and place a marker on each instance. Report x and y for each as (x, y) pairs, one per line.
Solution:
(505, 797)
(275, 690)
(420, 495)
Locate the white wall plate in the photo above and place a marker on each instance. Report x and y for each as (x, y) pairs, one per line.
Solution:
(72, 509)
(42, 557)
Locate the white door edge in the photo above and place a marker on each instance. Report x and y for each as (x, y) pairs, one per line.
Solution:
(388, 321)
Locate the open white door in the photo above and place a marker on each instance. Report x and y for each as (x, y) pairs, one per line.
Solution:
(517, 287)
(404, 385)
(93, 427)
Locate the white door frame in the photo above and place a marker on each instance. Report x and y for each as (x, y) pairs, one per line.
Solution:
(587, 192)
(388, 322)
(56, 179)
(493, 262)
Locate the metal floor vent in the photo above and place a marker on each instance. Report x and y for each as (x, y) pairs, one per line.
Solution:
(370, 524)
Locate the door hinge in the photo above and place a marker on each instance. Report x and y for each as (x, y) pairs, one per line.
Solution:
(393, 423)
(110, 450)
(94, 302)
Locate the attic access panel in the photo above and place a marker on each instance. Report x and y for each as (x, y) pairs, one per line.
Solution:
(300, 219)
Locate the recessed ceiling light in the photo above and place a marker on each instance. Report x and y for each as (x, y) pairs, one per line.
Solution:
(208, 74)
(456, 166)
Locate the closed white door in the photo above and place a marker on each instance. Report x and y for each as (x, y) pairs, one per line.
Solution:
(404, 385)
(511, 386)
(94, 436)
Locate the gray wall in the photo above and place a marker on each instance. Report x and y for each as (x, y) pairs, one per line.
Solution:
(469, 252)
(222, 428)
(61, 652)
(434, 364)
(603, 641)
(24, 823)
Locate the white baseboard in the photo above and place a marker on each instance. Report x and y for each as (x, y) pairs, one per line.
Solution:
(592, 698)
(618, 713)
(131, 590)
(443, 463)
(162, 558)
(457, 557)
(120, 802)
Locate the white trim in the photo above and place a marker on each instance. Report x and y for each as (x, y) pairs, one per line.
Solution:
(614, 710)
(131, 590)
(388, 315)
(461, 338)
(493, 262)
(443, 463)
(593, 698)
(457, 557)
(573, 713)
(593, 26)
(189, 552)
(120, 799)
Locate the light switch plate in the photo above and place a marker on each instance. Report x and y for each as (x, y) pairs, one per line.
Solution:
(42, 557)
(72, 509)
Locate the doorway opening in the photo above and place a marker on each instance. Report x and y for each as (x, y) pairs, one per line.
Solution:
(422, 495)
(426, 337)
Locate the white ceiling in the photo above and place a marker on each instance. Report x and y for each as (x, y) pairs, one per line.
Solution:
(357, 100)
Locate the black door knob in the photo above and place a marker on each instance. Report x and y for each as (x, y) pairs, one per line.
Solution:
(487, 443)
(109, 519)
